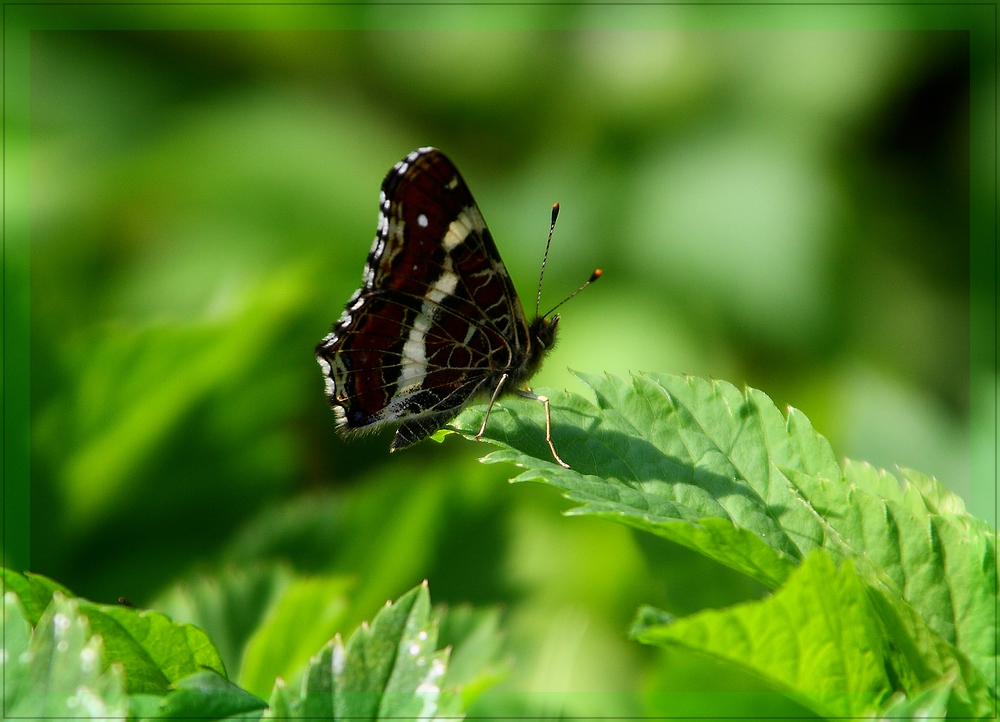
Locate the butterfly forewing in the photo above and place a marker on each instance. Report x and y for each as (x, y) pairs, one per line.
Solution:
(437, 316)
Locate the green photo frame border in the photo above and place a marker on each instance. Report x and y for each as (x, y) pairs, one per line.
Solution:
(20, 19)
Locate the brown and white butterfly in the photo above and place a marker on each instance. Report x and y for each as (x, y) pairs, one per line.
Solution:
(437, 322)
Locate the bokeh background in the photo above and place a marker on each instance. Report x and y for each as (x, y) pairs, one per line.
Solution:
(787, 209)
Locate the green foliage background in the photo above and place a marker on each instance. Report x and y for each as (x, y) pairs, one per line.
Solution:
(788, 209)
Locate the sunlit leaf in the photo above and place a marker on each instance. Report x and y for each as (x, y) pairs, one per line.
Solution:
(387, 670)
(147, 637)
(34, 591)
(15, 659)
(62, 672)
(147, 648)
(208, 695)
(816, 637)
(723, 472)
(931, 703)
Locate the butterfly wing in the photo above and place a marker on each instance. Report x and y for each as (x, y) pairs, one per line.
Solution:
(428, 217)
(437, 317)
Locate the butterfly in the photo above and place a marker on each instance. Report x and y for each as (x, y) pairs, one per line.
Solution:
(437, 322)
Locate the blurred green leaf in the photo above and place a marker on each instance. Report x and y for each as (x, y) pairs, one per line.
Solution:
(310, 611)
(382, 531)
(476, 643)
(61, 671)
(283, 700)
(817, 637)
(145, 706)
(724, 473)
(228, 605)
(648, 616)
(740, 220)
(138, 385)
(209, 695)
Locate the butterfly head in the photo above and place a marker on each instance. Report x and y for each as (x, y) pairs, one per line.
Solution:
(543, 337)
(543, 331)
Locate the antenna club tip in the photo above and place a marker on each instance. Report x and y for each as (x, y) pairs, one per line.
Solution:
(596, 274)
(555, 211)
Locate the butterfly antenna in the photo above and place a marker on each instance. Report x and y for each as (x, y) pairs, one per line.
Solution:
(552, 227)
(593, 277)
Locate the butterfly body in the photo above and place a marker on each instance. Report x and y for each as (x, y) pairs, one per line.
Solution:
(437, 322)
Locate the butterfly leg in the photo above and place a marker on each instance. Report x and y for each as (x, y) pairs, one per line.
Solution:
(548, 424)
(496, 392)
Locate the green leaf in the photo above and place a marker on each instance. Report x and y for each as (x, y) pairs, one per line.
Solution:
(209, 695)
(931, 703)
(15, 657)
(136, 385)
(388, 670)
(151, 650)
(817, 637)
(919, 657)
(647, 616)
(318, 685)
(631, 462)
(280, 706)
(383, 533)
(371, 654)
(144, 706)
(61, 673)
(34, 591)
(229, 605)
(142, 675)
(476, 661)
(951, 573)
(724, 473)
(440, 435)
(307, 615)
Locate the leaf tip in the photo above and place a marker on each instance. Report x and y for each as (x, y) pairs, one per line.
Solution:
(440, 435)
(647, 616)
